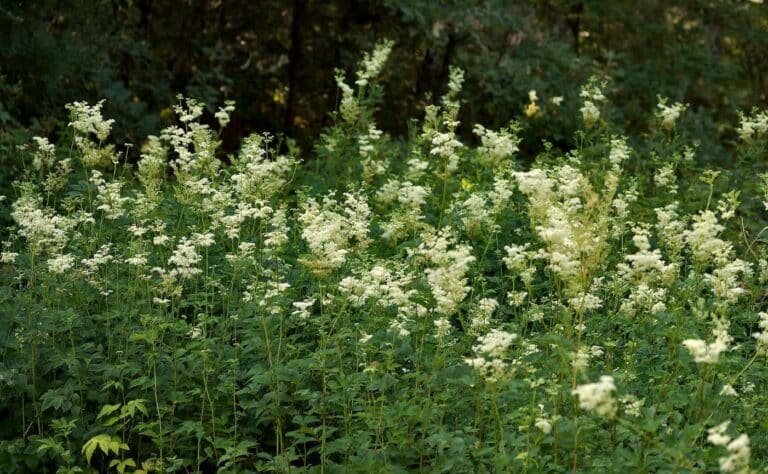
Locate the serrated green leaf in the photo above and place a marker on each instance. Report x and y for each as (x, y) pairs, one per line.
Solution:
(108, 409)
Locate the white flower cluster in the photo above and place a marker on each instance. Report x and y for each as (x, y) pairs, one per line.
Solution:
(188, 109)
(754, 126)
(89, 124)
(194, 145)
(570, 217)
(348, 106)
(303, 308)
(373, 63)
(671, 228)
(368, 143)
(256, 176)
(621, 209)
(370, 68)
(665, 178)
(43, 229)
(592, 95)
(101, 258)
(496, 148)
(406, 194)
(581, 357)
(582, 302)
(501, 194)
(482, 312)
(725, 280)
(153, 162)
(620, 152)
(668, 114)
(277, 232)
(598, 397)
(109, 199)
(646, 265)
(728, 204)
(442, 328)
(223, 114)
(185, 258)
(87, 119)
(516, 298)
(448, 275)
(539, 188)
(544, 425)
(61, 263)
(476, 215)
(519, 261)
(646, 274)
(555, 217)
(138, 260)
(455, 82)
(632, 405)
(495, 343)
(6, 256)
(439, 133)
(232, 220)
(269, 295)
(331, 230)
(709, 353)
(708, 248)
(491, 353)
(180, 140)
(44, 154)
(703, 239)
(737, 459)
(384, 287)
(407, 216)
(644, 297)
(762, 337)
(445, 146)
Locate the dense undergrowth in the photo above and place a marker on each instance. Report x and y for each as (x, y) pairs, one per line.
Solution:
(387, 306)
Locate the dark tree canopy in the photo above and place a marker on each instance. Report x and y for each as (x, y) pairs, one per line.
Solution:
(276, 58)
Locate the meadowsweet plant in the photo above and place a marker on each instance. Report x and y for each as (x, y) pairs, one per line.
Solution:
(592, 93)
(737, 459)
(447, 302)
(598, 396)
(669, 114)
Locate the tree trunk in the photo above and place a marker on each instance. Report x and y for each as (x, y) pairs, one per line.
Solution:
(295, 59)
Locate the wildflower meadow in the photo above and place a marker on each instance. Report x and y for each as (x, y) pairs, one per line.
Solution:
(435, 303)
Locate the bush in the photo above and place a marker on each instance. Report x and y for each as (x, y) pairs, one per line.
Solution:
(391, 305)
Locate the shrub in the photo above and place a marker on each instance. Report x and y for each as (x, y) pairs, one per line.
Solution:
(388, 306)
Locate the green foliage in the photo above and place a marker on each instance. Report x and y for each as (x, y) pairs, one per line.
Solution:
(106, 444)
(588, 303)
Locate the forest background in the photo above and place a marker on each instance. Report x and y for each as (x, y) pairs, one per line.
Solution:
(277, 59)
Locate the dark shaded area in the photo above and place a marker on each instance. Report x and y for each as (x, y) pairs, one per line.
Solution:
(276, 58)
